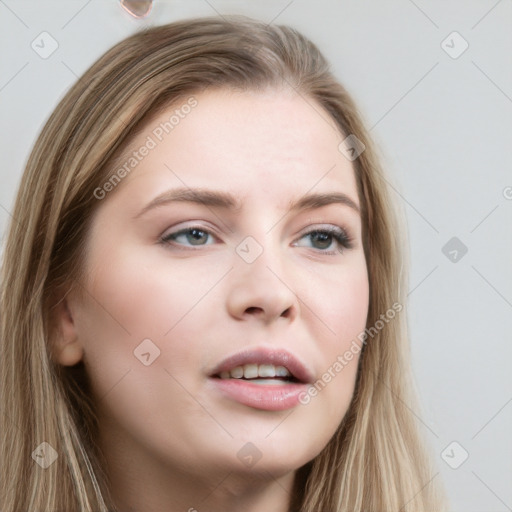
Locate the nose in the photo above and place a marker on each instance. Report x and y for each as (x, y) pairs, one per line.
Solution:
(261, 290)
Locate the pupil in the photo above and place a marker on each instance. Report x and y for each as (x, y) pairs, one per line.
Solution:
(325, 236)
(197, 235)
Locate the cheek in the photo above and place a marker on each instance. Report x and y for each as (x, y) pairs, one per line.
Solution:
(131, 304)
(340, 306)
(147, 297)
(338, 322)
(348, 308)
(133, 301)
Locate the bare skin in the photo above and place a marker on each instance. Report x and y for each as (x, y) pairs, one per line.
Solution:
(172, 439)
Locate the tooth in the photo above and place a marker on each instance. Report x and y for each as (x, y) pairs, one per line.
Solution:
(225, 375)
(250, 371)
(237, 373)
(281, 371)
(266, 370)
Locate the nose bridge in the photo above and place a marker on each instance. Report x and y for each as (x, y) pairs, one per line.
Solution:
(260, 283)
(257, 256)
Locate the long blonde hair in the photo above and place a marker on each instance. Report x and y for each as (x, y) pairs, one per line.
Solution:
(375, 462)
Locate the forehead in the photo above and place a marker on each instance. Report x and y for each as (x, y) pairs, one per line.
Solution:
(275, 143)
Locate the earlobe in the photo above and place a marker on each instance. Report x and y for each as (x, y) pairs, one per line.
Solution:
(66, 348)
(70, 354)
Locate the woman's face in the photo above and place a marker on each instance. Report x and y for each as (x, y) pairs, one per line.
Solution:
(186, 295)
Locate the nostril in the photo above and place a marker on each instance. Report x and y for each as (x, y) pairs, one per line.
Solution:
(287, 312)
(253, 309)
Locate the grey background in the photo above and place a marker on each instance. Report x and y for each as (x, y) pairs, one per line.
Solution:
(444, 127)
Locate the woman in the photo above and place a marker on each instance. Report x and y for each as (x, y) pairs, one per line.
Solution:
(203, 306)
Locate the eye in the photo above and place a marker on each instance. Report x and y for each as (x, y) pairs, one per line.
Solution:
(334, 238)
(193, 235)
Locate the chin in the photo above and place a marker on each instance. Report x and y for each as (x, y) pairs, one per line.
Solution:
(260, 457)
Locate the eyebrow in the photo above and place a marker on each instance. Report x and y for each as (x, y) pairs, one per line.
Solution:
(226, 201)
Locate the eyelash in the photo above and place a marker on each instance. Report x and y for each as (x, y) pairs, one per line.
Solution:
(339, 234)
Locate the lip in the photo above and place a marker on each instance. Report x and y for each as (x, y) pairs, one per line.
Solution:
(277, 357)
(263, 396)
(260, 396)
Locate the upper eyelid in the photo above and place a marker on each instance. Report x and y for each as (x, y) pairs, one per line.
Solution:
(187, 228)
(324, 227)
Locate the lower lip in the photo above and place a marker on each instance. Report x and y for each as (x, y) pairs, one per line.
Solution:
(261, 396)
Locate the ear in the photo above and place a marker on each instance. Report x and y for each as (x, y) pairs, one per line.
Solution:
(66, 347)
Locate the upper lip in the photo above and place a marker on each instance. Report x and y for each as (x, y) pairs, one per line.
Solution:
(261, 355)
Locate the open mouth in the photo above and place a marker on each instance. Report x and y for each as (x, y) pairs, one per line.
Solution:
(267, 374)
(262, 378)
